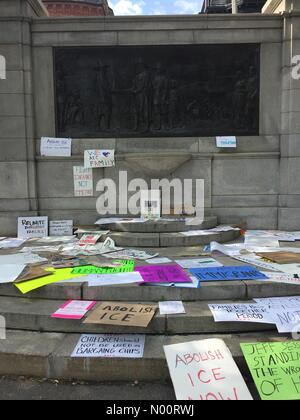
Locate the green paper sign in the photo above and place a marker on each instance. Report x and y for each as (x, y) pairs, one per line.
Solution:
(126, 266)
(275, 368)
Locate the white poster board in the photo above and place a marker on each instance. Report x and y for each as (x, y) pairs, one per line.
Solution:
(32, 227)
(205, 370)
(110, 346)
(227, 142)
(83, 181)
(56, 147)
(61, 227)
(99, 158)
(150, 204)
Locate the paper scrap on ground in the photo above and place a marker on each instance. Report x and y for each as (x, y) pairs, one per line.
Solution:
(32, 227)
(96, 280)
(83, 181)
(198, 263)
(99, 158)
(159, 261)
(121, 266)
(283, 278)
(195, 284)
(61, 228)
(205, 370)
(123, 314)
(241, 313)
(21, 259)
(224, 228)
(197, 233)
(74, 309)
(110, 346)
(171, 273)
(265, 241)
(228, 142)
(57, 276)
(171, 308)
(275, 369)
(112, 220)
(12, 243)
(130, 254)
(56, 147)
(227, 273)
(10, 272)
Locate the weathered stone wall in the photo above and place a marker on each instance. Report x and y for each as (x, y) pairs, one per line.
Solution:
(256, 183)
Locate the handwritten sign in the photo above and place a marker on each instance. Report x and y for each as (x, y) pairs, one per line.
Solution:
(227, 273)
(171, 273)
(125, 314)
(125, 266)
(99, 158)
(61, 227)
(74, 309)
(241, 313)
(110, 346)
(89, 239)
(287, 320)
(150, 204)
(83, 182)
(56, 147)
(32, 227)
(205, 370)
(229, 142)
(275, 368)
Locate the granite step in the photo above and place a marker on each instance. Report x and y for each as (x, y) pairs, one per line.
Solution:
(48, 355)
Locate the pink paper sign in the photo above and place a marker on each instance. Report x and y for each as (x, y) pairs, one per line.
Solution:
(171, 273)
(74, 309)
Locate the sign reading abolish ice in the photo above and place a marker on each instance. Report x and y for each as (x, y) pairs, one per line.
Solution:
(205, 370)
(56, 147)
(32, 227)
(110, 346)
(275, 368)
(99, 158)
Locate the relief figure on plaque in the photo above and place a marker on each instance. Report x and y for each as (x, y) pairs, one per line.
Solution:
(252, 90)
(240, 99)
(74, 113)
(104, 88)
(160, 88)
(141, 91)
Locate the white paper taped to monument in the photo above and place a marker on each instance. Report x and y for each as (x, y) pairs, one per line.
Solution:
(60, 147)
(99, 158)
(83, 181)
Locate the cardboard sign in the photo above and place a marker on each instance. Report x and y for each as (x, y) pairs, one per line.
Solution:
(171, 273)
(125, 314)
(74, 309)
(32, 227)
(110, 346)
(99, 158)
(56, 147)
(61, 227)
(227, 273)
(150, 204)
(83, 182)
(229, 141)
(281, 257)
(241, 313)
(287, 320)
(275, 368)
(125, 266)
(205, 370)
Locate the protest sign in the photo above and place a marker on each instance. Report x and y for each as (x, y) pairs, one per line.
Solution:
(205, 370)
(241, 313)
(113, 279)
(10, 272)
(287, 320)
(99, 158)
(74, 309)
(89, 239)
(171, 308)
(281, 257)
(198, 263)
(61, 227)
(283, 278)
(122, 266)
(128, 253)
(228, 142)
(159, 261)
(32, 227)
(83, 182)
(275, 368)
(150, 204)
(110, 346)
(31, 273)
(124, 314)
(56, 147)
(170, 273)
(227, 273)
(11, 243)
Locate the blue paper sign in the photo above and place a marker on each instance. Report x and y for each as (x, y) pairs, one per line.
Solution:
(227, 273)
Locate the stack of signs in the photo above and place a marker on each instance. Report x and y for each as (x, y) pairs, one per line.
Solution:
(56, 147)
(275, 368)
(205, 370)
(74, 309)
(99, 158)
(123, 314)
(110, 346)
(32, 227)
(170, 273)
(227, 273)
